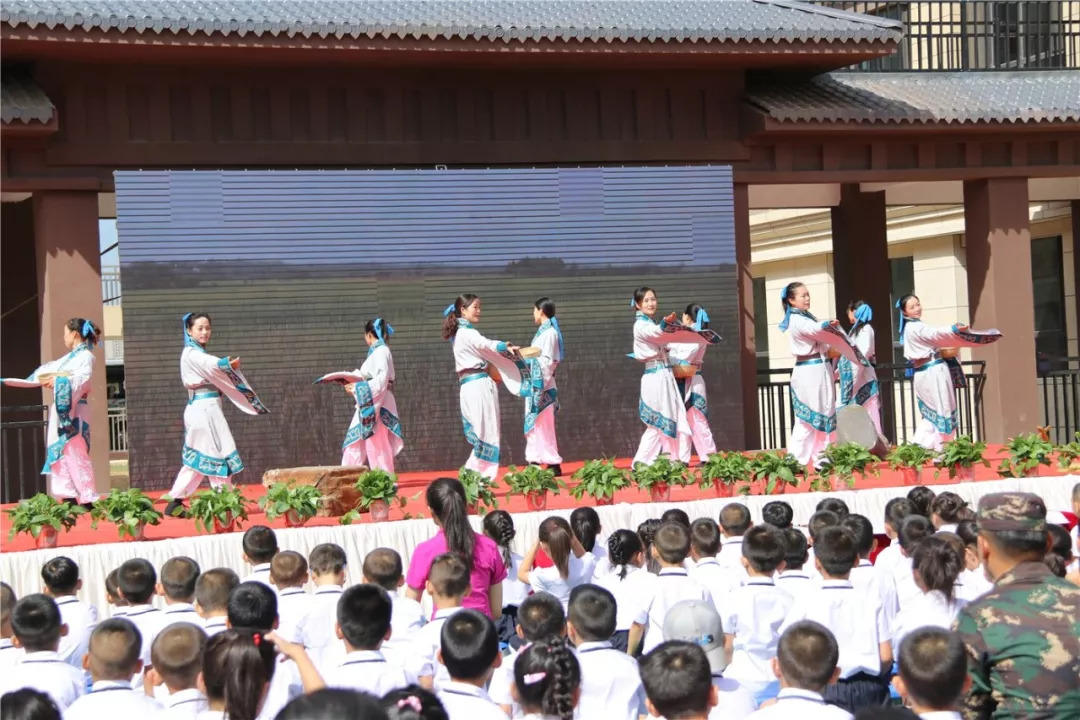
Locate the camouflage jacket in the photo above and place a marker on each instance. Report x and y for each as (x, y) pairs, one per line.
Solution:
(1023, 645)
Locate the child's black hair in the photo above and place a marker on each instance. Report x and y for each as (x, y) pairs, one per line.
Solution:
(336, 703)
(177, 654)
(835, 550)
(29, 704)
(807, 654)
(677, 515)
(647, 532)
(863, 531)
(449, 575)
(592, 612)
(735, 518)
(821, 520)
(547, 676)
(327, 559)
(834, 505)
(400, 704)
(238, 665)
(585, 523)
(115, 645)
(253, 605)
(36, 623)
(921, 497)
(938, 564)
(896, 510)
(912, 530)
(796, 551)
(499, 526)
(933, 666)
(469, 644)
(260, 544)
(950, 507)
(383, 567)
(213, 587)
(705, 537)
(178, 577)
(623, 545)
(541, 617)
(778, 514)
(764, 548)
(672, 542)
(60, 575)
(363, 613)
(677, 679)
(137, 578)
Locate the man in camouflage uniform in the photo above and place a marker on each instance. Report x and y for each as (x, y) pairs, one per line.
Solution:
(1023, 636)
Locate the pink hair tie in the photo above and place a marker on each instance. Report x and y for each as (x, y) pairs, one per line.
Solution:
(533, 678)
(411, 701)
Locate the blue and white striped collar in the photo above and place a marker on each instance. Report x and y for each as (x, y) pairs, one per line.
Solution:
(642, 316)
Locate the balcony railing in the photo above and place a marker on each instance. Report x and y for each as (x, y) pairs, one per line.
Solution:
(110, 285)
(976, 35)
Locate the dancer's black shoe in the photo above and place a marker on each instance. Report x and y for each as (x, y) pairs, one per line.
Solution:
(88, 506)
(557, 469)
(176, 508)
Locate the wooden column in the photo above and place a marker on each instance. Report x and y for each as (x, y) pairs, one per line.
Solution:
(747, 343)
(69, 285)
(1000, 296)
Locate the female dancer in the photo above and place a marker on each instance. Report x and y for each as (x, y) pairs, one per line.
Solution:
(934, 377)
(659, 405)
(67, 444)
(860, 385)
(474, 358)
(209, 449)
(541, 447)
(813, 395)
(375, 431)
(692, 389)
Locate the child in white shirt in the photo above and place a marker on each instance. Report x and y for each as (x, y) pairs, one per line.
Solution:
(176, 584)
(610, 684)
(572, 565)
(447, 584)
(499, 526)
(895, 511)
(678, 682)
(912, 530)
(585, 523)
(383, 567)
(113, 661)
(137, 580)
(972, 582)
(805, 663)
(863, 576)
(212, 591)
(62, 583)
(177, 653)
(363, 623)
(628, 581)
(936, 563)
(288, 576)
(540, 619)
(327, 563)
(547, 680)
(793, 578)
(260, 546)
(734, 521)
(469, 650)
(9, 654)
(38, 628)
(706, 569)
(933, 674)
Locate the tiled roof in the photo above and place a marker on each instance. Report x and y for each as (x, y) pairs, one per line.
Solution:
(21, 100)
(771, 21)
(1017, 97)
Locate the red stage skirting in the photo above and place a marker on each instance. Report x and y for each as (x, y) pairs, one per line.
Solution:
(413, 484)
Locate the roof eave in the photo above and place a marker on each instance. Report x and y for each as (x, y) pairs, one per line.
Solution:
(15, 129)
(757, 123)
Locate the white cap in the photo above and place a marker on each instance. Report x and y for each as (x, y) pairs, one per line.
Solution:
(698, 622)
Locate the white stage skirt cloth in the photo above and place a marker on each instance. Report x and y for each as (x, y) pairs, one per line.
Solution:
(23, 569)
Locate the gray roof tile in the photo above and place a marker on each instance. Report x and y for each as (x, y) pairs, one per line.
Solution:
(21, 100)
(506, 21)
(1018, 97)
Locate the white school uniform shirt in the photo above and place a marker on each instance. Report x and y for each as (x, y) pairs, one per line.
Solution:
(797, 583)
(580, 571)
(260, 573)
(941, 715)
(182, 705)
(730, 555)
(888, 557)
(972, 585)
(81, 619)
(855, 618)
(673, 585)
(209, 714)
(794, 703)
(112, 699)
(284, 687)
(423, 655)
(610, 683)
(514, 591)
(628, 592)
(319, 628)
(753, 614)
(180, 612)
(468, 702)
(929, 609)
(406, 618)
(47, 673)
(904, 581)
(293, 607)
(947, 527)
(150, 621)
(864, 578)
(9, 654)
(719, 580)
(367, 671)
(501, 680)
(214, 625)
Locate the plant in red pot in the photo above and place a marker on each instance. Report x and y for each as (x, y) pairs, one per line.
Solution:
(534, 482)
(660, 476)
(1069, 455)
(378, 490)
(479, 491)
(724, 471)
(219, 510)
(1028, 454)
(960, 456)
(42, 517)
(129, 510)
(600, 480)
(298, 503)
(910, 459)
(841, 462)
(772, 471)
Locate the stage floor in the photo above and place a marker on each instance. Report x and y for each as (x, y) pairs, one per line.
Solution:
(412, 485)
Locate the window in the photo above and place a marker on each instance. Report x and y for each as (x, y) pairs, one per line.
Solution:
(1028, 34)
(901, 283)
(761, 325)
(1048, 291)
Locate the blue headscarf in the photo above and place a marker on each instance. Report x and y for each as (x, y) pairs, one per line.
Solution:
(188, 340)
(787, 311)
(379, 324)
(87, 333)
(864, 314)
(449, 309)
(700, 318)
(554, 322)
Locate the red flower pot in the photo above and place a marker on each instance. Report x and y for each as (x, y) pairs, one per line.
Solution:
(473, 508)
(722, 489)
(140, 534)
(964, 474)
(605, 501)
(380, 511)
(910, 475)
(780, 489)
(661, 492)
(225, 527)
(293, 519)
(536, 500)
(47, 538)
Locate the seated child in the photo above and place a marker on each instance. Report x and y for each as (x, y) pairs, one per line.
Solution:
(627, 580)
(704, 545)
(9, 654)
(734, 522)
(237, 672)
(778, 514)
(363, 623)
(288, 575)
(805, 663)
(499, 526)
(793, 579)
(678, 682)
(895, 511)
(177, 585)
(383, 567)
(113, 596)
(138, 580)
(470, 651)
(177, 653)
(114, 660)
(610, 684)
(212, 590)
(327, 565)
(863, 576)
(540, 618)
(38, 628)
(547, 680)
(62, 583)
(447, 583)
(260, 547)
(912, 530)
(572, 565)
(933, 675)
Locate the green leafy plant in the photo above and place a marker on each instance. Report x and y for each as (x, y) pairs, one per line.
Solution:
(1069, 454)
(128, 510)
(599, 479)
(1027, 451)
(662, 471)
(725, 468)
(378, 484)
(773, 468)
(961, 453)
(909, 455)
(281, 498)
(479, 490)
(225, 504)
(34, 514)
(844, 460)
(531, 478)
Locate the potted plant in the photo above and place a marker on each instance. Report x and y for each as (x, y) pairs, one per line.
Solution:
(534, 482)
(1028, 453)
(378, 488)
(298, 503)
(219, 510)
(772, 472)
(723, 471)
(129, 510)
(959, 457)
(1069, 454)
(840, 462)
(43, 517)
(909, 459)
(479, 491)
(659, 476)
(600, 479)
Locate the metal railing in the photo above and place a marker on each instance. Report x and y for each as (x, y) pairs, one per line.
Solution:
(22, 451)
(110, 285)
(118, 429)
(972, 35)
(1059, 398)
(899, 409)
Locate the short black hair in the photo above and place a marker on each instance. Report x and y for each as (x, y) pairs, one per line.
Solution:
(933, 665)
(178, 577)
(834, 505)
(735, 518)
(672, 542)
(896, 510)
(920, 498)
(449, 575)
(592, 612)
(327, 559)
(331, 703)
(541, 617)
(807, 654)
(363, 612)
(677, 679)
(912, 530)
(705, 537)
(778, 514)
(29, 704)
(253, 605)
(470, 644)
(136, 578)
(260, 544)
(763, 547)
(114, 650)
(7, 602)
(60, 575)
(177, 654)
(36, 622)
(383, 567)
(676, 515)
(1030, 544)
(288, 569)
(795, 549)
(863, 531)
(835, 549)
(213, 587)
(821, 520)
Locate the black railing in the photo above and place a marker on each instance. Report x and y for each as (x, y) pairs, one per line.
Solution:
(951, 35)
(1059, 396)
(899, 409)
(22, 451)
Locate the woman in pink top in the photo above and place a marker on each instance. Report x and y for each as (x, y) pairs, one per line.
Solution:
(446, 498)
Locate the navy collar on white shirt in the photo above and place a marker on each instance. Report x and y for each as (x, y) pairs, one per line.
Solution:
(799, 574)
(763, 581)
(828, 584)
(360, 657)
(459, 688)
(444, 613)
(177, 608)
(863, 562)
(672, 571)
(260, 568)
(217, 621)
(5, 644)
(588, 647)
(66, 600)
(736, 539)
(287, 592)
(328, 590)
(44, 656)
(184, 697)
(109, 685)
(707, 561)
(800, 694)
(139, 610)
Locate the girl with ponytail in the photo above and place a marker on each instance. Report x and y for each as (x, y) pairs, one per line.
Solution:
(499, 526)
(541, 446)
(936, 563)
(374, 438)
(688, 359)
(572, 565)
(547, 681)
(858, 384)
(67, 440)
(209, 449)
(238, 666)
(626, 580)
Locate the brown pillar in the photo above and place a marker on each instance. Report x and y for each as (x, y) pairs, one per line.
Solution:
(747, 343)
(69, 285)
(1000, 296)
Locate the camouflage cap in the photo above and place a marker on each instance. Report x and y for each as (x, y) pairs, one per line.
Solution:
(1000, 512)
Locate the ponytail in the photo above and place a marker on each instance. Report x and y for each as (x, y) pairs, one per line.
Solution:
(586, 524)
(87, 330)
(646, 532)
(938, 564)
(555, 532)
(547, 676)
(949, 507)
(453, 312)
(238, 665)
(412, 703)
(499, 526)
(446, 498)
(622, 546)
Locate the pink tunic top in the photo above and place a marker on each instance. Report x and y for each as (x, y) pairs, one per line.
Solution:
(487, 569)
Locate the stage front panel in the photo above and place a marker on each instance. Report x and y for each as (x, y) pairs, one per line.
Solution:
(291, 265)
